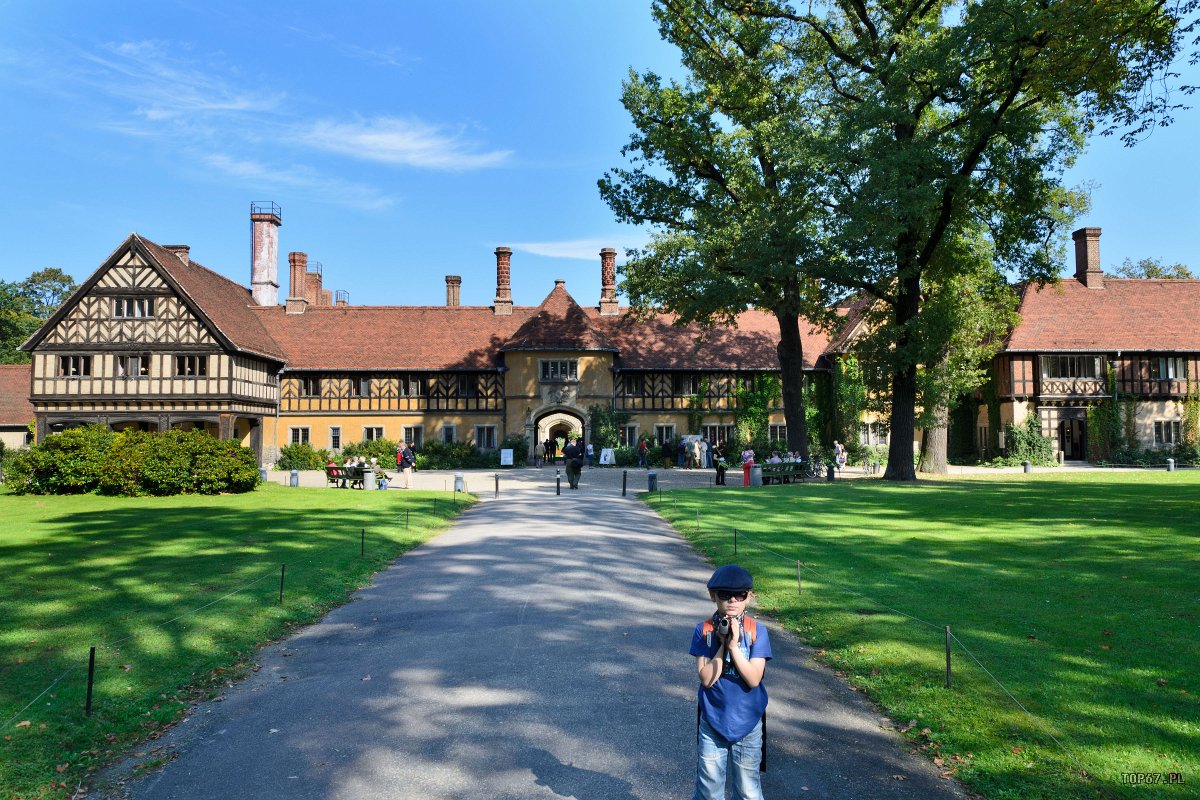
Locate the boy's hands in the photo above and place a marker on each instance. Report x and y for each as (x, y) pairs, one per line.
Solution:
(735, 632)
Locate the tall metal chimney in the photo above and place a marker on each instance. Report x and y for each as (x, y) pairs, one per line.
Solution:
(265, 219)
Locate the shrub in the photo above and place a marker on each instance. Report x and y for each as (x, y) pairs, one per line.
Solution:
(1025, 442)
(382, 449)
(302, 456)
(519, 445)
(456, 455)
(70, 462)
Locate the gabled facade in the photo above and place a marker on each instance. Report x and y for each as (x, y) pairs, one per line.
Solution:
(153, 340)
(1055, 362)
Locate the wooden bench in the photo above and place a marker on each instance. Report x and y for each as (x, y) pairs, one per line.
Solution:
(344, 477)
(786, 472)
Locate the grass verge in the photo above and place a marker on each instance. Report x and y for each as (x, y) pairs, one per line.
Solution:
(177, 593)
(1080, 593)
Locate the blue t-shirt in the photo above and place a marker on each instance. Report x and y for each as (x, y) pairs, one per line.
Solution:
(730, 706)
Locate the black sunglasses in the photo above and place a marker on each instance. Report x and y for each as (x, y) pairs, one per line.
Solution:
(724, 595)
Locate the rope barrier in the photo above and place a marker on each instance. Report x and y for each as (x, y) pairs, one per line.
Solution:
(39, 697)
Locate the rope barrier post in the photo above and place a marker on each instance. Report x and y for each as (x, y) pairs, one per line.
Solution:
(624, 481)
(558, 484)
(87, 706)
(406, 519)
(735, 542)
(497, 484)
(282, 572)
(799, 584)
(947, 656)
(362, 548)
(697, 522)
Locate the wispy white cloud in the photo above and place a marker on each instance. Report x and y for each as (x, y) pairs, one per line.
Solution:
(582, 249)
(381, 56)
(334, 190)
(409, 142)
(163, 86)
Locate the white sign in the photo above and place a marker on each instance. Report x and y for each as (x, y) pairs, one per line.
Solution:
(608, 456)
(506, 458)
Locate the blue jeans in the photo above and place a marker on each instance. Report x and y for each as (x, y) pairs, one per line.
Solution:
(713, 760)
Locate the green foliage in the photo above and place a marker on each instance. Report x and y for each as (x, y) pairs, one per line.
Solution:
(1152, 268)
(1025, 442)
(25, 305)
(301, 455)
(754, 406)
(70, 462)
(382, 449)
(962, 446)
(519, 444)
(94, 458)
(605, 423)
(1191, 417)
(457, 455)
(1105, 430)
(851, 403)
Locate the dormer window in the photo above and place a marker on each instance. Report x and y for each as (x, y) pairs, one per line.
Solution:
(565, 370)
(133, 307)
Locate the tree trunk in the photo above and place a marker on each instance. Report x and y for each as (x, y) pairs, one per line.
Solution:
(934, 444)
(904, 382)
(791, 366)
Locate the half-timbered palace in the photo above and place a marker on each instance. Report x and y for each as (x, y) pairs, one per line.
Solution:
(153, 340)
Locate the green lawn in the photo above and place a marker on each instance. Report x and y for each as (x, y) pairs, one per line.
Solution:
(120, 572)
(1079, 592)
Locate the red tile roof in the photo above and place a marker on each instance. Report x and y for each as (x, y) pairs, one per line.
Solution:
(386, 338)
(15, 408)
(226, 304)
(558, 324)
(1127, 314)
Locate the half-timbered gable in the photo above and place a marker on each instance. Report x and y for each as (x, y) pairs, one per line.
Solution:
(154, 340)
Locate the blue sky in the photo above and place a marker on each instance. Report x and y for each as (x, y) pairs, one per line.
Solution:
(404, 142)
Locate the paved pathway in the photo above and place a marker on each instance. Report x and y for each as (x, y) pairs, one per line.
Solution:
(538, 649)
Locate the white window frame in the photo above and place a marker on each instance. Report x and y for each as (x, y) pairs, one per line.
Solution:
(335, 437)
(482, 434)
(133, 308)
(372, 433)
(299, 435)
(559, 370)
(661, 433)
(717, 434)
(777, 433)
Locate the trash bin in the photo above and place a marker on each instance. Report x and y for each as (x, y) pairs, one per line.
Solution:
(294, 480)
(652, 481)
(755, 475)
(369, 479)
(459, 484)
(746, 473)
(1170, 465)
(1026, 466)
(262, 473)
(830, 471)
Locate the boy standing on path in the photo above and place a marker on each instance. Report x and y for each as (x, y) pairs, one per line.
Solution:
(731, 653)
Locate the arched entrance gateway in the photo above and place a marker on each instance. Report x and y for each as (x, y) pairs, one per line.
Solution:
(558, 423)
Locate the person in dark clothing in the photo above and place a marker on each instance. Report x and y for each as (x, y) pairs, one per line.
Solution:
(668, 452)
(573, 457)
(718, 458)
(681, 454)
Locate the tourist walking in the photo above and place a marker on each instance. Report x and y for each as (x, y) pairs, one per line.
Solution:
(573, 458)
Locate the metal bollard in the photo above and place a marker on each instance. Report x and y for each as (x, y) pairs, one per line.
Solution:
(624, 481)
(294, 480)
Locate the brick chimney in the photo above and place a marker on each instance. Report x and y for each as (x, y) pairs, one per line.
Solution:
(453, 289)
(1087, 258)
(502, 305)
(312, 282)
(297, 302)
(608, 282)
(327, 297)
(265, 220)
(181, 251)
